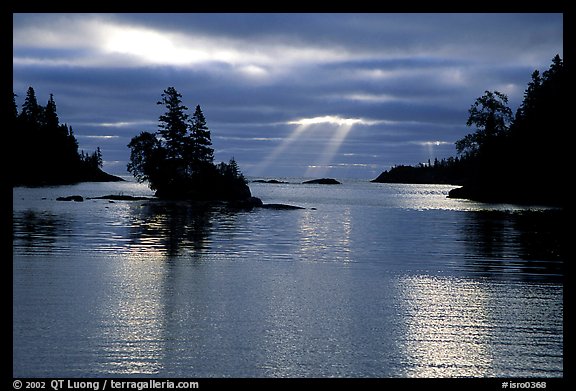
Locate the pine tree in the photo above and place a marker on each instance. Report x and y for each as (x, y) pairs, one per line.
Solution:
(200, 139)
(530, 96)
(50, 120)
(99, 162)
(234, 170)
(14, 109)
(173, 124)
(31, 113)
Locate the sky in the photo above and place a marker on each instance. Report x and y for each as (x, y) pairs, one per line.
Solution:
(341, 95)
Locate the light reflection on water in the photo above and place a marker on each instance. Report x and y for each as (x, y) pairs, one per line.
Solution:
(130, 317)
(447, 328)
(375, 281)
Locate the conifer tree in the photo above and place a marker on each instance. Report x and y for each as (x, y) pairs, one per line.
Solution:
(200, 139)
(31, 111)
(173, 123)
(14, 109)
(50, 120)
(530, 97)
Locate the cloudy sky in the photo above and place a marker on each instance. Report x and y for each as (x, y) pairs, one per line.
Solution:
(339, 95)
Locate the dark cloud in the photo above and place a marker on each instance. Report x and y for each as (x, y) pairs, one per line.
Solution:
(406, 79)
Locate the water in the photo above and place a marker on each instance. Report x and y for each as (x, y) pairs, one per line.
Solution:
(370, 280)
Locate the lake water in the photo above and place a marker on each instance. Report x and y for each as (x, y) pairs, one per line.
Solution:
(370, 280)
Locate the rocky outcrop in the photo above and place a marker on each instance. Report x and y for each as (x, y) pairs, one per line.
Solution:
(75, 198)
(120, 197)
(274, 181)
(281, 207)
(322, 181)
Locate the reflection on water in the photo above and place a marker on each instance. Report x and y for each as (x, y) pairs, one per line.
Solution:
(130, 319)
(465, 328)
(326, 237)
(172, 226)
(363, 285)
(447, 328)
(526, 244)
(38, 229)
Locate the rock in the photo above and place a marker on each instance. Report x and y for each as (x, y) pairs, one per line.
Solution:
(323, 181)
(255, 202)
(248, 203)
(459, 192)
(281, 207)
(119, 197)
(275, 181)
(75, 198)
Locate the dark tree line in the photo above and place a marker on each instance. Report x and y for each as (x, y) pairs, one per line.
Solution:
(44, 151)
(177, 160)
(519, 157)
(449, 171)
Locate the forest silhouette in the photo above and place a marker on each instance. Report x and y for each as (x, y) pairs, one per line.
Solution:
(519, 158)
(45, 152)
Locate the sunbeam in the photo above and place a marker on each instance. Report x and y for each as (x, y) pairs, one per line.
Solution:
(328, 122)
(320, 168)
(271, 158)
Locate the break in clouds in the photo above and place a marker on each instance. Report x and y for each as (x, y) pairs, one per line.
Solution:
(344, 95)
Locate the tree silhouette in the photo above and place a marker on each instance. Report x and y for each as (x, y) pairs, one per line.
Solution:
(46, 152)
(520, 158)
(173, 124)
(50, 118)
(526, 161)
(491, 116)
(31, 112)
(201, 142)
(146, 152)
(539, 135)
(14, 109)
(177, 160)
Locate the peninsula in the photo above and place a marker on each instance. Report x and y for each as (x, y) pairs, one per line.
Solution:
(518, 158)
(45, 152)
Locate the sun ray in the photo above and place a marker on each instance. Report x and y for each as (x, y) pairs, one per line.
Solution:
(338, 129)
(331, 149)
(271, 158)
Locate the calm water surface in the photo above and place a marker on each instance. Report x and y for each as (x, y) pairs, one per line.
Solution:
(370, 280)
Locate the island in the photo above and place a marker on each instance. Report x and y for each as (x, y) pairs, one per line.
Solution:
(177, 161)
(322, 181)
